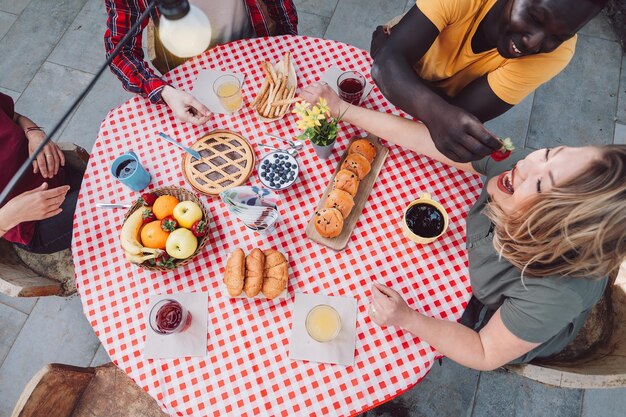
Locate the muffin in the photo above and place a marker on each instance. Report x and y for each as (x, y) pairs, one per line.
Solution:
(340, 200)
(358, 164)
(365, 148)
(328, 222)
(346, 181)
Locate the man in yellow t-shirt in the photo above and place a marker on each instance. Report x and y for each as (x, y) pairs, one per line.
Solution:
(455, 64)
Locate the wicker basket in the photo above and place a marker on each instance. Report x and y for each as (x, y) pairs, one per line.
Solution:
(181, 194)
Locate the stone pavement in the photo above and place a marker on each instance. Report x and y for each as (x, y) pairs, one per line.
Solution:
(51, 49)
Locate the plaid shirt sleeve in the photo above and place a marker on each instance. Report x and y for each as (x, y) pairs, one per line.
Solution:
(129, 65)
(282, 13)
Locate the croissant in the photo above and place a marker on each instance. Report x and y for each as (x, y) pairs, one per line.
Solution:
(276, 273)
(255, 264)
(234, 273)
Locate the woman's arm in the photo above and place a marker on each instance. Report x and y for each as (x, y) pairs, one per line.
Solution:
(36, 204)
(51, 158)
(401, 131)
(486, 350)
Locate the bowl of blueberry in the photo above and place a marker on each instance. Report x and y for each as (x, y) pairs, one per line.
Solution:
(278, 170)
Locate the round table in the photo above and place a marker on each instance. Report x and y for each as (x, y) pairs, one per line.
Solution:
(247, 371)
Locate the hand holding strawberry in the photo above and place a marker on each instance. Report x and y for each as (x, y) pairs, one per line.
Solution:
(504, 152)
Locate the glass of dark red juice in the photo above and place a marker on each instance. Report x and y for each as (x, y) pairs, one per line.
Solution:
(351, 85)
(169, 316)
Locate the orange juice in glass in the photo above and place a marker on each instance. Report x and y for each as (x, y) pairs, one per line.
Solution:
(228, 90)
(323, 323)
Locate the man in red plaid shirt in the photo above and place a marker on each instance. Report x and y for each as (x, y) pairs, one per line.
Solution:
(230, 20)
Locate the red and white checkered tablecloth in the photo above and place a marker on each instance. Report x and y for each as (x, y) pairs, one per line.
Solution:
(247, 371)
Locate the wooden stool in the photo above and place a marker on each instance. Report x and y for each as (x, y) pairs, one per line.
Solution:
(68, 391)
(25, 274)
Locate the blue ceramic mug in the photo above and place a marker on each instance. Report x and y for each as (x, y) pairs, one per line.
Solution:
(129, 171)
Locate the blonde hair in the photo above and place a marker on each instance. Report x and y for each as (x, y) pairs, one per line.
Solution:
(577, 229)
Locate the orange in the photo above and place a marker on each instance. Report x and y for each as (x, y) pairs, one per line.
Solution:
(152, 236)
(164, 206)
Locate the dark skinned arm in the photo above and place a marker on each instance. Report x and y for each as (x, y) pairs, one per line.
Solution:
(454, 123)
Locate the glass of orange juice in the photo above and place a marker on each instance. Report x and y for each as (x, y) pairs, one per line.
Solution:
(323, 323)
(228, 90)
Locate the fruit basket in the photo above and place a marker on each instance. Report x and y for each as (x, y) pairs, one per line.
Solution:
(133, 224)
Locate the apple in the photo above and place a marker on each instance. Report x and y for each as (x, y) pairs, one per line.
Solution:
(181, 244)
(187, 213)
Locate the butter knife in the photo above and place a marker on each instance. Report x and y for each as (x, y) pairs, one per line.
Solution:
(190, 151)
(111, 206)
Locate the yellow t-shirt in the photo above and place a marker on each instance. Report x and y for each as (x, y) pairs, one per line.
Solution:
(450, 63)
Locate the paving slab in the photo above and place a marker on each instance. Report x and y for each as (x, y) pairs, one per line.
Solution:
(13, 6)
(577, 107)
(503, 394)
(604, 402)
(620, 134)
(14, 94)
(6, 20)
(23, 304)
(447, 390)
(324, 8)
(100, 358)
(45, 105)
(55, 331)
(32, 37)
(600, 27)
(82, 45)
(12, 321)
(84, 125)
(620, 113)
(514, 123)
(310, 24)
(355, 20)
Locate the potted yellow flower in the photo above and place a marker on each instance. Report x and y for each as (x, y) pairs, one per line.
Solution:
(318, 126)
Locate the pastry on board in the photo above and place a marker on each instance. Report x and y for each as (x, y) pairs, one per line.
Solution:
(346, 181)
(234, 273)
(363, 147)
(328, 222)
(276, 273)
(358, 164)
(255, 265)
(340, 200)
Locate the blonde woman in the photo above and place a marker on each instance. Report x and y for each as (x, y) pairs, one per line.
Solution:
(548, 228)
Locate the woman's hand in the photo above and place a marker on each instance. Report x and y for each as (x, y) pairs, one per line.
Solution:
(185, 107)
(388, 308)
(313, 92)
(36, 204)
(49, 159)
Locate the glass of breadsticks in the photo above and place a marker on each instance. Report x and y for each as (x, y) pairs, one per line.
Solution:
(278, 91)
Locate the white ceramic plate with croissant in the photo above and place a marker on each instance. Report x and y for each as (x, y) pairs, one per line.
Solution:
(233, 270)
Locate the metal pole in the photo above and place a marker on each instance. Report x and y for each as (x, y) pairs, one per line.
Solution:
(28, 163)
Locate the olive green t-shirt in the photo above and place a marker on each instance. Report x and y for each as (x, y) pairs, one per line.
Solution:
(549, 310)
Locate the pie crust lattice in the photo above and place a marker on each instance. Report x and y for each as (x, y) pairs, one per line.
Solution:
(227, 162)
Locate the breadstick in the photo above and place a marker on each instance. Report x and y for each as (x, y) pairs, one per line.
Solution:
(263, 101)
(290, 94)
(269, 70)
(287, 101)
(267, 105)
(262, 91)
(269, 110)
(287, 63)
(280, 94)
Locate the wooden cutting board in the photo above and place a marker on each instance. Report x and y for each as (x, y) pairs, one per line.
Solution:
(365, 188)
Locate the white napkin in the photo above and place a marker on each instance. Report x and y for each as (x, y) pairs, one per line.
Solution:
(202, 88)
(339, 350)
(332, 74)
(191, 342)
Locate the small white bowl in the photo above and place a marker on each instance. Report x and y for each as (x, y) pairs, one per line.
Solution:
(275, 158)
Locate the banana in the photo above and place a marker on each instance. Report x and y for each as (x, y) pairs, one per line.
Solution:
(130, 233)
(138, 259)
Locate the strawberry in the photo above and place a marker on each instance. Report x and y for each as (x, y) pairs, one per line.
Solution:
(199, 228)
(148, 199)
(148, 216)
(165, 261)
(504, 152)
(169, 224)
